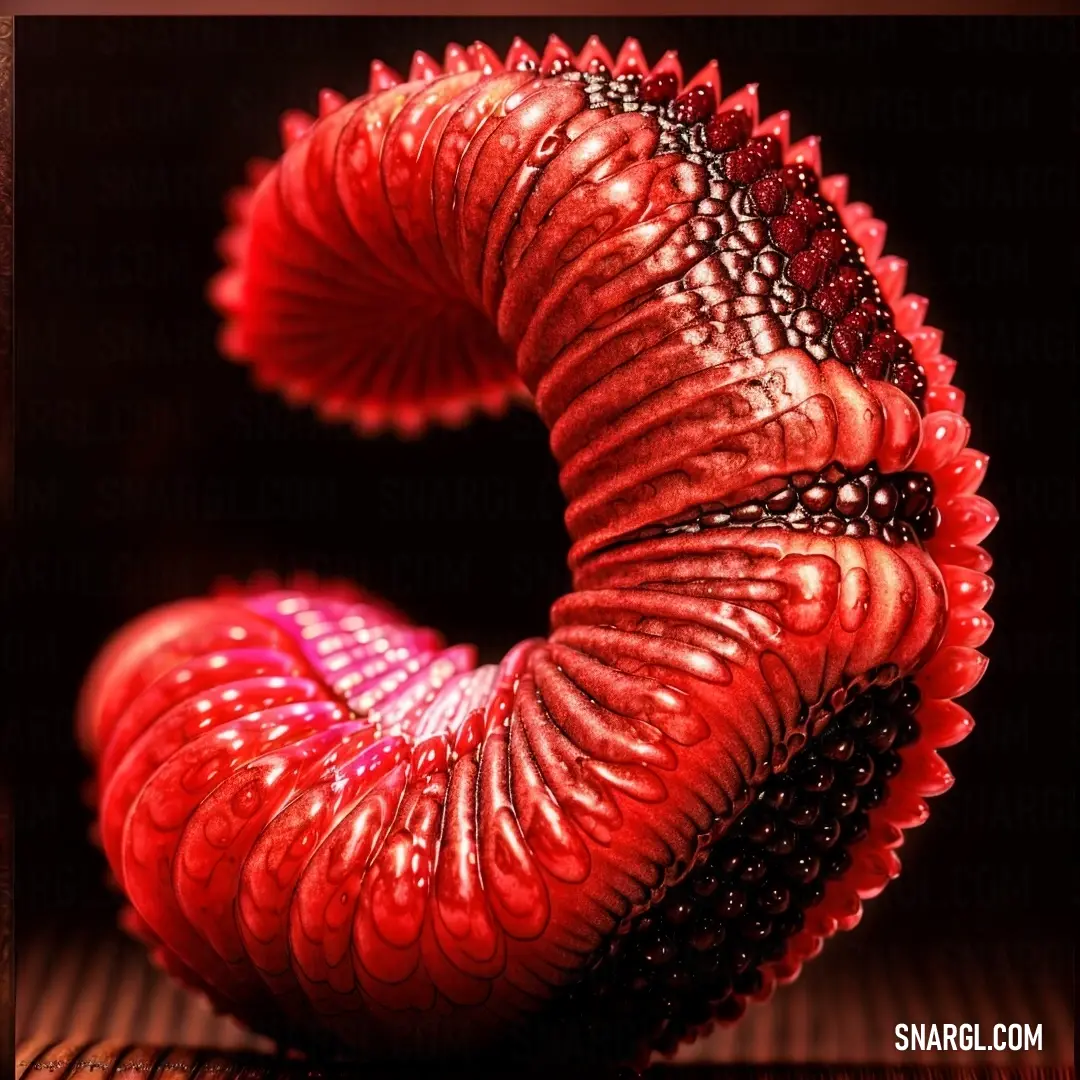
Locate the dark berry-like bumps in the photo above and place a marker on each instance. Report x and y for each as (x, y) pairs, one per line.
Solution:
(768, 148)
(831, 299)
(871, 363)
(789, 234)
(807, 210)
(659, 88)
(769, 195)
(829, 243)
(744, 166)
(846, 343)
(806, 268)
(727, 130)
(693, 105)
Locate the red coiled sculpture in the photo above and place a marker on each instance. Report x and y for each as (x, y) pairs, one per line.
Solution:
(346, 833)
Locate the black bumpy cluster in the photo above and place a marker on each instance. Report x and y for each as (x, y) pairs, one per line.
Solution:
(698, 953)
(835, 305)
(897, 508)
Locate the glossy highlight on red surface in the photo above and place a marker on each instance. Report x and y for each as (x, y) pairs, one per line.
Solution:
(344, 831)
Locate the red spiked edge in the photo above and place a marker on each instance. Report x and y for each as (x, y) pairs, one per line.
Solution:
(442, 387)
(957, 666)
(966, 519)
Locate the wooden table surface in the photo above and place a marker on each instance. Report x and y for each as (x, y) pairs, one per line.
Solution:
(85, 1000)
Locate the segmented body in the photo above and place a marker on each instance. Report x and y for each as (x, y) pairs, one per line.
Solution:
(332, 822)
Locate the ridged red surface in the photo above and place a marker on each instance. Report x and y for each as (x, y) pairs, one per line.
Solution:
(327, 819)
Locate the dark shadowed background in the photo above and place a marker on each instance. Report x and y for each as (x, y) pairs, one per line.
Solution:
(147, 466)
